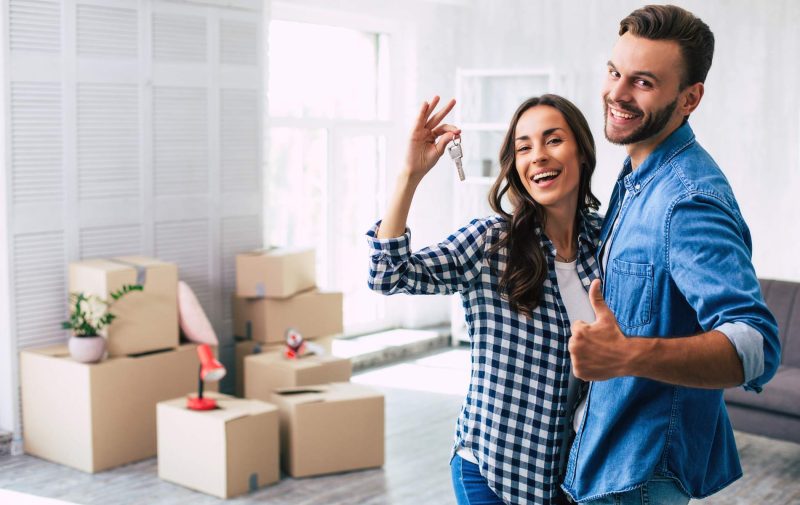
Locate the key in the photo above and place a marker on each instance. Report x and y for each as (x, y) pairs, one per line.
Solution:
(455, 152)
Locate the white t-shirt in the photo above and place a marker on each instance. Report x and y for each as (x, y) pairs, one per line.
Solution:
(576, 301)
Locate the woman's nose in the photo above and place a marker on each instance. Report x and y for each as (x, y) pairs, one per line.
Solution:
(540, 158)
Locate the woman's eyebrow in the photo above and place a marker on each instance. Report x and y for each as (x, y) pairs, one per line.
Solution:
(544, 133)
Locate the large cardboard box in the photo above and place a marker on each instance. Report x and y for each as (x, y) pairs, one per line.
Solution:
(313, 313)
(275, 273)
(146, 320)
(266, 372)
(330, 428)
(245, 348)
(97, 416)
(224, 452)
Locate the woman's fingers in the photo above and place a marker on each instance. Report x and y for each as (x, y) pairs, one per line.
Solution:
(433, 121)
(439, 130)
(422, 117)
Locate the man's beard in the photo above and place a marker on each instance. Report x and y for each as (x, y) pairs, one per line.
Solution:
(654, 124)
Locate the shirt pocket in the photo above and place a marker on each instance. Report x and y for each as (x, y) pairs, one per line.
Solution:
(630, 292)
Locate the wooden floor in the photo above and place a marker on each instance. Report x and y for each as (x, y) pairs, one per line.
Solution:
(422, 401)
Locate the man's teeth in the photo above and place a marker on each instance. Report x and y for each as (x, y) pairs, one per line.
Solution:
(621, 115)
(543, 175)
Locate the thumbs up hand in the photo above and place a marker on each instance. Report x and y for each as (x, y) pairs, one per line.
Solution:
(599, 350)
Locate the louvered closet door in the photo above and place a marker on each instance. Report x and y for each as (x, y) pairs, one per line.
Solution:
(134, 127)
(206, 105)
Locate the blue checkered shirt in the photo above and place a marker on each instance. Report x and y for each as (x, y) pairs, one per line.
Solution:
(514, 411)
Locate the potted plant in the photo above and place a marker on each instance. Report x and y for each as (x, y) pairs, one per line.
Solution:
(88, 315)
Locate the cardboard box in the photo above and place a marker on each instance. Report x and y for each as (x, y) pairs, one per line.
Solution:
(266, 372)
(95, 417)
(244, 348)
(275, 273)
(146, 320)
(313, 313)
(330, 428)
(224, 452)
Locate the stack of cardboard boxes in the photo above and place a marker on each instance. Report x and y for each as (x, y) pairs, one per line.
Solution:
(97, 416)
(327, 424)
(302, 413)
(276, 290)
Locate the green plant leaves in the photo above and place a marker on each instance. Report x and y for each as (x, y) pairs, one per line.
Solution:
(89, 313)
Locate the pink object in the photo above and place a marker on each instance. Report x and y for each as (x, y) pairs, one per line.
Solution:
(194, 322)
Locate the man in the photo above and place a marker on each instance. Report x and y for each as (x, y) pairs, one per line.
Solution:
(684, 315)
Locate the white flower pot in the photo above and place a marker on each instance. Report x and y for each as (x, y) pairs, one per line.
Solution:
(87, 349)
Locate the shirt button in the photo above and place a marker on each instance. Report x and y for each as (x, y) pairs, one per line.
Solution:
(637, 187)
(562, 411)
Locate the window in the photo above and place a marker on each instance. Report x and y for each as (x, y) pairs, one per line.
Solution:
(327, 132)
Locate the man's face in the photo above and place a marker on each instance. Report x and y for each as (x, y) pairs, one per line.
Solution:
(641, 91)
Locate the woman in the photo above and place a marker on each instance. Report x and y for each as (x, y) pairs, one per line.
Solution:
(523, 276)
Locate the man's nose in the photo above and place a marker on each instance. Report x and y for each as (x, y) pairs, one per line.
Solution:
(619, 91)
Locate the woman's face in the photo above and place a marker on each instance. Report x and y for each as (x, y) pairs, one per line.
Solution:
(547, 158)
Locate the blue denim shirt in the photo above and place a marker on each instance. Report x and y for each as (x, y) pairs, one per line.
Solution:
(679, 264)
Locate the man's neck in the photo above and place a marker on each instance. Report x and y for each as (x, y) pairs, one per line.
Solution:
(639, 151)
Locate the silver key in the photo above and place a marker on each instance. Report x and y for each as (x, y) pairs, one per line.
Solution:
(455, 152)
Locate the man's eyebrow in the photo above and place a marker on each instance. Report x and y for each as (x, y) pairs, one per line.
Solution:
(642, 73)
(544, 133)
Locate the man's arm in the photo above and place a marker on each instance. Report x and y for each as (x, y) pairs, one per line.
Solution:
(709, 261)
(601, 351)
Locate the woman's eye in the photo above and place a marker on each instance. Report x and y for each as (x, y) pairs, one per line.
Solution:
(523, 148)
(554, 141)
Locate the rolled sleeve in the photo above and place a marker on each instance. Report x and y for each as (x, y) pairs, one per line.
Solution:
(749, 345)
(449, 267)
(394, 247)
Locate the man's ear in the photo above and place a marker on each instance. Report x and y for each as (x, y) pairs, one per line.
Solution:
(690, 98)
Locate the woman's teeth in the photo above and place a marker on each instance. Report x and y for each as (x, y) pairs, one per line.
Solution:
(545, 176)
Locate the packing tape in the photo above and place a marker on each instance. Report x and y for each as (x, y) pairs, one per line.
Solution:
(141, 271)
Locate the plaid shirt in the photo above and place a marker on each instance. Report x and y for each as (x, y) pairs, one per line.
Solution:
(517, 396)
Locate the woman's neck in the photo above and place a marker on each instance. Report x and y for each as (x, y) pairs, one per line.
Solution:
(560, 229)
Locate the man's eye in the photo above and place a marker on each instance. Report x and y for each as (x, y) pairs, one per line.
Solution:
(646, 84)
(614, 74)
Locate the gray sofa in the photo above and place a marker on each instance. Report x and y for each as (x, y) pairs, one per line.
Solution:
(775, 412)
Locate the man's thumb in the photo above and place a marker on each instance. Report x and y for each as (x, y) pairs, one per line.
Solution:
(596, 299)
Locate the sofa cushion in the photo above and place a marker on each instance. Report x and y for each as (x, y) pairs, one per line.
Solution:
(783, 300)
(781, 394)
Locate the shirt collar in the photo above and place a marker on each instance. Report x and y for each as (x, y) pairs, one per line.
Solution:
(636, 180)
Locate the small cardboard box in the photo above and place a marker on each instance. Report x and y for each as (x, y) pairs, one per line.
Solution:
(146, 320)
(330, 428)
(275, 273)
(244, 348)
(224, 452)
(313, 313)
(95, 417)
(266, 372)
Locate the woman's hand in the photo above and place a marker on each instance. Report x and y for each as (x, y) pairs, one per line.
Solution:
(428, 139)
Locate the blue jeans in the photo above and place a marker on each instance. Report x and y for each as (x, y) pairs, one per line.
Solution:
(470, 486)
(657, 491)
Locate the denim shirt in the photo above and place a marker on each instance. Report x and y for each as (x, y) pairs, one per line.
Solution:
(679, 264)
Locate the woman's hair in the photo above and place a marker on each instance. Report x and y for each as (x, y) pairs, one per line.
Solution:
(526, 266)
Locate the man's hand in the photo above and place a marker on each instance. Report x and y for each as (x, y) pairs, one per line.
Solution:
(598, 350)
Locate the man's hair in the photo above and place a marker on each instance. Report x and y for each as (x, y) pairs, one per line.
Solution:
(668, 22)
